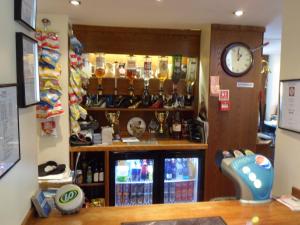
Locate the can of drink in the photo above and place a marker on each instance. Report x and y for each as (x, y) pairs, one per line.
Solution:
(190, 195)
(126, 191)
(166, 193)
(178, 191)
(118, 194)
(140, 194)
(147, 193)
(184, 191)
(150, 193)
(172, 192)
(133, 193)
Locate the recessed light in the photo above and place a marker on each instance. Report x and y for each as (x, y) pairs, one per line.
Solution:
(238, 13)
(75, 2)
(158, 0)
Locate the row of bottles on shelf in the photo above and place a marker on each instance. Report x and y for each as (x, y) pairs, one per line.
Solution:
(90, 172)
(180, 169)
(138, 66)
(134, 170)
(146, 100)
(188, 72)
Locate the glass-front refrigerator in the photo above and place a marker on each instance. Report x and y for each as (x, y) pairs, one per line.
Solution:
(141, 178)
(183, 177)
(133, 179)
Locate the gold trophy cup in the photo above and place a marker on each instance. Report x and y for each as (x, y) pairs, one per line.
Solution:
(161, 118)
(113, 119)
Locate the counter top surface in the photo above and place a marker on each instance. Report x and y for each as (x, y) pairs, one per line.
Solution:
(160, 144)
(233, 212)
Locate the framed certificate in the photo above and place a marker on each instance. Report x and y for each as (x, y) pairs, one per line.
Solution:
(27, 70)
(25, 12)
(289, 105)
(9, 128)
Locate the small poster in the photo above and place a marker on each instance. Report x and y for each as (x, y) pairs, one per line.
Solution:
(214, 85)
(289, 105)
(9, 128)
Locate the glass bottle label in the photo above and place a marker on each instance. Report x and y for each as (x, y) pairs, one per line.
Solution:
(147, 66)
(100, 62)
(131, 65)
(176, 127)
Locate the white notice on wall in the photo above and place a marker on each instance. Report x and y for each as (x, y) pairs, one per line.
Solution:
(9, 129)
(245, 84)
(289, 114)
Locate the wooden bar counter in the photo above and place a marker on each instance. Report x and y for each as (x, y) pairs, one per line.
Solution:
(160, 144)
(233, 213)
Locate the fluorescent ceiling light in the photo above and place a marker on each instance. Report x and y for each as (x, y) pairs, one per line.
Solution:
(238, 13)
(75, 2)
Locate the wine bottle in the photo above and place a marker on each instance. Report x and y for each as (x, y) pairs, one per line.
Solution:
(176, 126)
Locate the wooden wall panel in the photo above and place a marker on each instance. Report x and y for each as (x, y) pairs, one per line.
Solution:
(143, 41)
(238, 127)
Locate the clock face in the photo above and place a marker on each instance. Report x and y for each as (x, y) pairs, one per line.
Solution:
(237, 59)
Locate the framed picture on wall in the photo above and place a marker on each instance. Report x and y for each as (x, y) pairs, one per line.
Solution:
(9, 128)
(25, 12)
(289, 105)
(27, 70)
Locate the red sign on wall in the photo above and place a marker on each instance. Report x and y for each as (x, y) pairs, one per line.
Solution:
(224, 95)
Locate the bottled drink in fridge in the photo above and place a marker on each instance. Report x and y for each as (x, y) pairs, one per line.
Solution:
(191, 169)
(179, 169)
(173, 168)
(122, 173)
(144, 170)
(185, 169)
(168, 169)
(150, 171)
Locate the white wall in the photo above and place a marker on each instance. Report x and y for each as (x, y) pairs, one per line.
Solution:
(20, 183)
(273, 85)
(287, 152)
(57, 148)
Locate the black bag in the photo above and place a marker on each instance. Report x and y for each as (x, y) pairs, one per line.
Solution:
(196, 130)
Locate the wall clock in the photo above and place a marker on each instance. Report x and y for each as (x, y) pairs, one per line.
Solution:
(237, 59)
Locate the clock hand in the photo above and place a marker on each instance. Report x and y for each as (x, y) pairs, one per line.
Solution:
(238, 54)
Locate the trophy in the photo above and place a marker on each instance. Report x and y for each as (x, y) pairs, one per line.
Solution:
(113, 119)
(161, 118)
